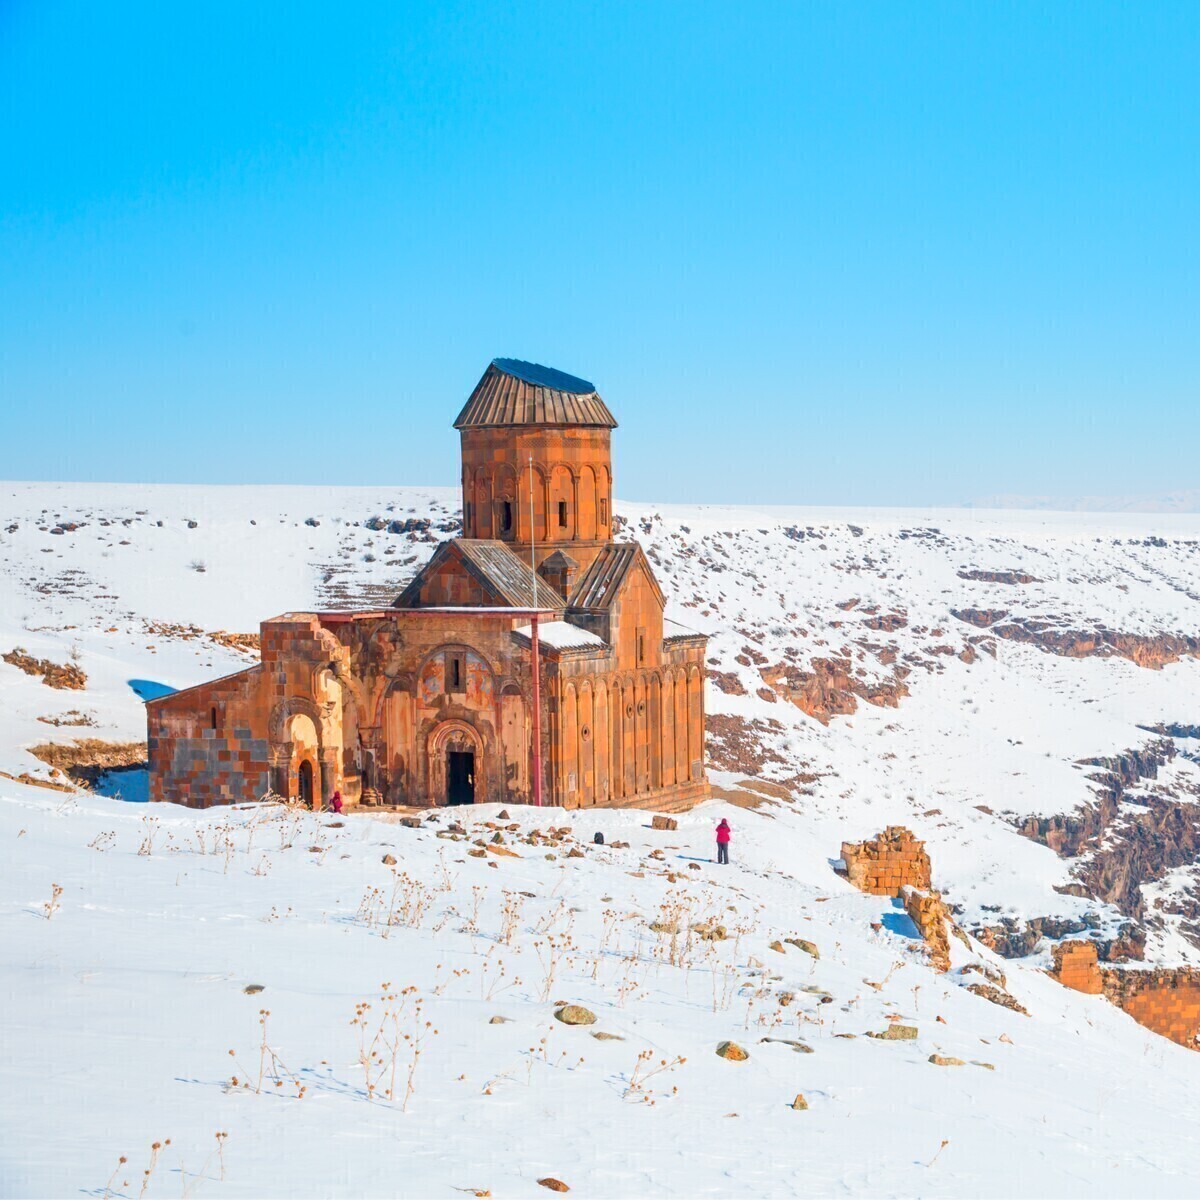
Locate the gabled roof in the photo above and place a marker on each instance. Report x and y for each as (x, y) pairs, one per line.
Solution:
(512, 392)
(602, 582)
(561, 635)
(508, 577)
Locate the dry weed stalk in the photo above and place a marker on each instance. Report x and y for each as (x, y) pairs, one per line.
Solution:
(472, 924)
(271, 1068)
(189, 1189)
(148, 1173)
(644, 1070)
(455, 973)
(381, 1040)
(541, 1053)
(510, 916)
(493, 982)
(103, 841)
(150, 826)
(552, 952)
(52, 905)
(112, 1178)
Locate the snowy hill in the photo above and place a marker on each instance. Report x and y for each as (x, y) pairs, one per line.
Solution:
(1022, 690)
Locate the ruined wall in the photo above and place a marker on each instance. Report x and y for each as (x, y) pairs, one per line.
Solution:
(888, 863)
(1077, 966)
(237, 738)
(931, 916)
(208, 745)
(1164, 1000)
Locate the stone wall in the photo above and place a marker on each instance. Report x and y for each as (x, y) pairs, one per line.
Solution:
(932, 918)
(893, 860)
(572, 487)
(1164, 1000)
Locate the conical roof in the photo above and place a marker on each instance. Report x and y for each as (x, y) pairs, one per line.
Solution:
(513, 392)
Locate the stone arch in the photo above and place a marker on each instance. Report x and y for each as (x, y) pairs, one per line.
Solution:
(481, 493)
(600, 743)
(681, 726)
(569, 747)
(587, 503)
(305, 759)
(668, 730)
(695, 713)
(505, 492)
(430, 682)
(562, 504)
(522, 502)
(641, 733)
(654, 721)
(286, 708)
(587, 744)
(454, 733)
(390, 761)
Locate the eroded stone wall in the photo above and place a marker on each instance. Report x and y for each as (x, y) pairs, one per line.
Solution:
(1165, 1000)
(888, 863)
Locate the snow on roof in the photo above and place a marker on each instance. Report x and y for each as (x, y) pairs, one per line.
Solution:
(561, 635)
(673, 629)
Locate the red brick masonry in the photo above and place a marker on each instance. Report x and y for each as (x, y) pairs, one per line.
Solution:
(1165, 1000)
(892, 861)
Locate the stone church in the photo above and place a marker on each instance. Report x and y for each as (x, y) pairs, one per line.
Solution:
(528, 661)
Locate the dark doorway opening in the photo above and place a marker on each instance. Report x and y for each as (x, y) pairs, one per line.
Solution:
(306, 783)
(460, 777)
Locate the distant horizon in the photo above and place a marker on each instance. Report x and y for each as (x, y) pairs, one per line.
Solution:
(1165, 505)
(858, 254)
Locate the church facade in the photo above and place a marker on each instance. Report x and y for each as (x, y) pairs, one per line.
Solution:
(434, 700)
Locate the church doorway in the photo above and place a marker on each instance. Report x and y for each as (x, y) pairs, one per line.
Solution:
(460, 777)
(305, 783)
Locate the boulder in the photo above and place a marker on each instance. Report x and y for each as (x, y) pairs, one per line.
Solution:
(500, 1020)
(798, 1046)
(896, 1033)
(805, 945)
(555, 1185)
(601, 1036)
(411, 822)
(664, 823)
(945, 1060)
(575, 1014)
(800, 1104)
(732, 1052)
(389, 860)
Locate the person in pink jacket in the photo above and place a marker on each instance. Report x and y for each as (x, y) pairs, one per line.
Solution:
(724, 836)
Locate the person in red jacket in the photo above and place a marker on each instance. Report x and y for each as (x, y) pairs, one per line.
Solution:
(336, 803)
(724, 835)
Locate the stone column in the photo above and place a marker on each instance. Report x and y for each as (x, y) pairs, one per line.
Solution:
(280, 761)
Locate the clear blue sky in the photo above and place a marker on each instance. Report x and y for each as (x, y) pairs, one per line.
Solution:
(842, 253)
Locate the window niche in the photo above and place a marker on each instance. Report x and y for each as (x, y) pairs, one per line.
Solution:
(456, 672)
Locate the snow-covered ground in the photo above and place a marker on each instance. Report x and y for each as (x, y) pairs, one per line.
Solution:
(124, 1004)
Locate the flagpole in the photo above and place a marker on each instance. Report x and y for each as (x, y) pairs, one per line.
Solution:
(534, 656)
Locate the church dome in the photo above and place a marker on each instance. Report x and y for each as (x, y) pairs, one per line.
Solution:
(513, 392)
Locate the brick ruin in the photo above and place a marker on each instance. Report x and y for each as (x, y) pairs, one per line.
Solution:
(1166, 1000)
(888, 863)
(933, 921)
(896, 864)
(430, 701)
